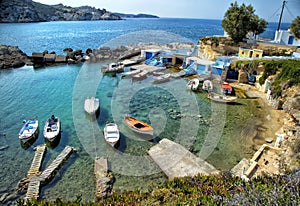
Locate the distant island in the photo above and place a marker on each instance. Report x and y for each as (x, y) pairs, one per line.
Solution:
(24, 11)
(135, 15)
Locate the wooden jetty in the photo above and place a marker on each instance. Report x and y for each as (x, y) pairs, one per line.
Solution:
(36, 179)
(176, 161)
(104, 180)
(37, 160)
(48, 173)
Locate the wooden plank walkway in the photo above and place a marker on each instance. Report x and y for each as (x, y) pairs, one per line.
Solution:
(48, 173)
(33, 190)
(37, 161)
(35, 178)
(176, 161)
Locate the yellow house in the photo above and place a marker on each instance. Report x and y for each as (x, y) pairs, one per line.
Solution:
(250, 53)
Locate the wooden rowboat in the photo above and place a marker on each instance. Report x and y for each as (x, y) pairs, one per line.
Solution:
(138, 125)
(111, 133)
(91, 105)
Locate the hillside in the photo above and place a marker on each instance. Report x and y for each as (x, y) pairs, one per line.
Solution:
(135, 15)
(22, 11)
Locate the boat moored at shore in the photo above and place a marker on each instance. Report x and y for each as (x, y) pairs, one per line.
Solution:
(221, 98)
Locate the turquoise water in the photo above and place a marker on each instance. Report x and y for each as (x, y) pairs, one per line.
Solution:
(61, 90)
(175, 113)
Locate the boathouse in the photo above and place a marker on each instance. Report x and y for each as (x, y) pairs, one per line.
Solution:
(178, 59)
(149, 53)
(285, 37)
(220, 64)
(250, 53)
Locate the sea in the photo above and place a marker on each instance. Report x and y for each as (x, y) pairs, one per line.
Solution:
(215, 132)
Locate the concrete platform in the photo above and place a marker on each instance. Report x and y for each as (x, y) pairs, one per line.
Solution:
(176, 161)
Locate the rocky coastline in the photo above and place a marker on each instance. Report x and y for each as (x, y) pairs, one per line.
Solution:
(19, 11)
(13, 57)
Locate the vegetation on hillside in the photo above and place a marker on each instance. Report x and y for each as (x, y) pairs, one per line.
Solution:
(288, 74)
(240, 20)
(206, 190)
(295, 27)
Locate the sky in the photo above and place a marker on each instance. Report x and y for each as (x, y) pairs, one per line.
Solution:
(200, 9)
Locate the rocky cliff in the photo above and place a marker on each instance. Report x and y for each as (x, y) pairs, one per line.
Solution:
(15, 11)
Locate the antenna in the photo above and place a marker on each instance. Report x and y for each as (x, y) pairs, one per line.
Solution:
(283, 4)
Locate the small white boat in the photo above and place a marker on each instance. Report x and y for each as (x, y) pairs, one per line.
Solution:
(157, 73)
(207, 85)
(114, 67)
(52, 128)
(91, 105)
(29, 130)
(193, 84)
(161, 78)
(138, 125)
(140, 75)
(111, 133)
(132, 72)
(221, 98)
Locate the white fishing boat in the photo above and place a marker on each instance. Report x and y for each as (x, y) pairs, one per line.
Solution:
(156, 73)
(52, 128)
(29, 130)
(131, 72)
(111, 133)
(207, 85)
(193, 84)
(161, 78)
(221, 98)
(91, 105)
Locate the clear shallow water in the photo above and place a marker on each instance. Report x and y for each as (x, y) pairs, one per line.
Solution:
(61, 90)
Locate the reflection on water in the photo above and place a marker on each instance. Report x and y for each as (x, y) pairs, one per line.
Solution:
(53, 144)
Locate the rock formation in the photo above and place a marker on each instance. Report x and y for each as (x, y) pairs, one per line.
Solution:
(15, 11)
(11, 57)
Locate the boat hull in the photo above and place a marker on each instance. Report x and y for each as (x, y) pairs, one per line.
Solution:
(91, 105)
(221, 98)
(138, 126)
(52, 129)
(29, 130)
(111, 134)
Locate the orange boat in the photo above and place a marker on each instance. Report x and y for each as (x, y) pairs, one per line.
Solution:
(138, 126)
(226, 88)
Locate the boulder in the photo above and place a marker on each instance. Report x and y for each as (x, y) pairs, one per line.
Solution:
(11, 57)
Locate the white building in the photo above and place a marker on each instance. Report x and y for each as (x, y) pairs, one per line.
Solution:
(285, 37)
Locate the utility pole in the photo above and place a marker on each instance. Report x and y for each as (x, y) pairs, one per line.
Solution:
(283, 4)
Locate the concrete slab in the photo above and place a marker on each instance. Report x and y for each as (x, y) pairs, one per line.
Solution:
(176, 161)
